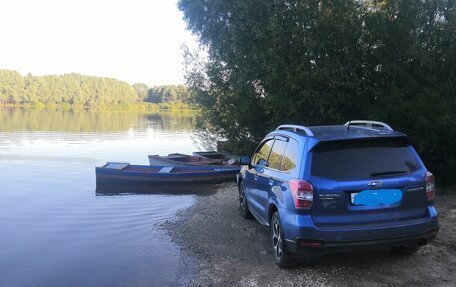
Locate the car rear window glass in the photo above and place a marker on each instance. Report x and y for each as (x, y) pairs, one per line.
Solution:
(290, 158)
(262, 154)
(275, 158)
(362, 159)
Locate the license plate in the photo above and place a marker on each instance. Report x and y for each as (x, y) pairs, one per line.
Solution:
(376, 197)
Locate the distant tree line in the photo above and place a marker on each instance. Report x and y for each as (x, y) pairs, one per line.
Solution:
(170, 94)
(75, 89)
(327, 62)
(164, 94)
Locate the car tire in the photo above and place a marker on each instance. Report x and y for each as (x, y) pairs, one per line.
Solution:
(282, 257)
(405, 249)
(243, 207)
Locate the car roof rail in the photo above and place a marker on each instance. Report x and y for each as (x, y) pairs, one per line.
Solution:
(370, 124)
(296, 128)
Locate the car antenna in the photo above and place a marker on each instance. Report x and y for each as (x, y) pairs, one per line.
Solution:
(348, 126)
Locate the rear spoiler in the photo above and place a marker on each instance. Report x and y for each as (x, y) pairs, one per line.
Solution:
(398, 136)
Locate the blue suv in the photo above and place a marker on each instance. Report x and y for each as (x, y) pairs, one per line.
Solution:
(332, 188)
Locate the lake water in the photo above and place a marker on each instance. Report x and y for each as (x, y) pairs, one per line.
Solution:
(54, 229)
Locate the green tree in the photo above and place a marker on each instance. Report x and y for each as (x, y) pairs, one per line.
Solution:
(11, 87)
(68, 88)
(142, 91)
(170, 94)
(325, 62)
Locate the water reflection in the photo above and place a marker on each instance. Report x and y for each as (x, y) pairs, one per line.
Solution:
(86, 120)
(55, 231)
(106, 189)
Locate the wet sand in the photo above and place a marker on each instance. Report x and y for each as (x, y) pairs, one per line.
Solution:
(227, 250)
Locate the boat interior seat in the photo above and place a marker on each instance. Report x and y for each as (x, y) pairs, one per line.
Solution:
(116, 165)
(166, 169)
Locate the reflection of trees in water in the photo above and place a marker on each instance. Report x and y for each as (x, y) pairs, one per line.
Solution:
(83, 120)
(172, 120)
(205, 140)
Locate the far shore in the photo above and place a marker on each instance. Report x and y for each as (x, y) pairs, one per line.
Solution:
(134, 107)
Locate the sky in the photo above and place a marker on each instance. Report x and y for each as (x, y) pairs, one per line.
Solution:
(130, 40)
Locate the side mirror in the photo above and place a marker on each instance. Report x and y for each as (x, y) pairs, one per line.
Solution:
(245, 160)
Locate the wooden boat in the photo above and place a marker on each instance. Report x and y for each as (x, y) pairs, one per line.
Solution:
(225, 157)
(123, 174)
(178, 159)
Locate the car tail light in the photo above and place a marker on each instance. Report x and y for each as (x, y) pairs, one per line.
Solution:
(302, 193)
(307, 243)
(430, 186)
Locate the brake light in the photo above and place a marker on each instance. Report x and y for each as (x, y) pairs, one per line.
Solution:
(310, 243)
(430, 186)
(302, 193)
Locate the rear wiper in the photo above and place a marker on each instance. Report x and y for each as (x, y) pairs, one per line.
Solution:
(387, 173)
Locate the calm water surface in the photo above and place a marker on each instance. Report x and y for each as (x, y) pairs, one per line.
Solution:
(54, 229)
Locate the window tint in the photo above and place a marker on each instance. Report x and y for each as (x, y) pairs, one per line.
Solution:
(362, 159)
(261, 156)
(275, 158)
(291, 156)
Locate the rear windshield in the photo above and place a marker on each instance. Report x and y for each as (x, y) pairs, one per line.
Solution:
(362, 159)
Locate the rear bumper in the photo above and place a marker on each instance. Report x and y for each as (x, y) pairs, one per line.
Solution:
(301, 245)
(301, 235)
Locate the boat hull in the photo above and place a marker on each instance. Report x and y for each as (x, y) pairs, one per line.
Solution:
(162, 178)
(182, 160)
(213, 155)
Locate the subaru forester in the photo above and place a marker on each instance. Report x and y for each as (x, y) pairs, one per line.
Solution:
(323, 189)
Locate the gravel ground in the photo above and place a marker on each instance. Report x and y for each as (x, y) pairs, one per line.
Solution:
(227, 250)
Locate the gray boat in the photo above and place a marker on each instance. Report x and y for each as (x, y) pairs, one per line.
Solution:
(178, 159)
(229, 159)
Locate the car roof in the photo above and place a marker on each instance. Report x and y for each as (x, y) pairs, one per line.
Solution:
(340, 132)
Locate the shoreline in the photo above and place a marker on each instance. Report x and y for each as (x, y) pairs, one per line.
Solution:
(132, 107)
(228, 250)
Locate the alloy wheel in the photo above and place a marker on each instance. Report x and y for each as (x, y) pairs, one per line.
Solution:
(241, 198)
(277, 238)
